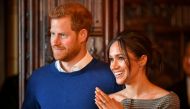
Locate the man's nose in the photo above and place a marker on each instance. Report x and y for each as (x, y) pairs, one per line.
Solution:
(56, 40)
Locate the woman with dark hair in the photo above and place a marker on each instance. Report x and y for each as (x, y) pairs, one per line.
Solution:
(132, 59)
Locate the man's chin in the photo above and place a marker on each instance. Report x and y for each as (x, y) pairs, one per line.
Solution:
(61, 59)
(58, 58)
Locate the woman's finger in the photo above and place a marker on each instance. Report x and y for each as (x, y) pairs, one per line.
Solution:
(100, 104)
(101, 95)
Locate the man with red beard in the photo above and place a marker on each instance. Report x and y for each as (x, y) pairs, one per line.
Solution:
(70, 81)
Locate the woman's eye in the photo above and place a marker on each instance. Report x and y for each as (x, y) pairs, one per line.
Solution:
(121, 58)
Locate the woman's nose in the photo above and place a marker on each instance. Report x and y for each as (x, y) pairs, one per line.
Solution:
(114, 64)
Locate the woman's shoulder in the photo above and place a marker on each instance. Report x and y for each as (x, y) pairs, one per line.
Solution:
(165, 93)
(172, 96)
(167, 98)
(171, 100)
(160, 92)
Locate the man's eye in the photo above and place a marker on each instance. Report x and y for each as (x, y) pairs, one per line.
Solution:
(52, 34)
(63, 36)
(110, 59)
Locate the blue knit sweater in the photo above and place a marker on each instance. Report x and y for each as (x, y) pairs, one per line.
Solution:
(48, 88)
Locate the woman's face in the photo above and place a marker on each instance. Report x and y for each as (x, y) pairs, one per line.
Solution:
(119, 64)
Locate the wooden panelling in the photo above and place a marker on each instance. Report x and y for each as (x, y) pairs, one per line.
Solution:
(156, 18)
(165, 22)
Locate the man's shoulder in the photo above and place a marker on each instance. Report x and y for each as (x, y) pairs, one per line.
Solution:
(43, 70)
(45, 67)
(99, 62)
(100, 67)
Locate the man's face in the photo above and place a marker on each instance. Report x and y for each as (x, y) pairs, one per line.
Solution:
(64, 41)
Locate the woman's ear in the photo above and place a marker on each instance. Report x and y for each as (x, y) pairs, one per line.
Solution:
(143, 60)
(83, 35)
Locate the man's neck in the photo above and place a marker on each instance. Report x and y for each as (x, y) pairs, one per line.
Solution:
(68, 67)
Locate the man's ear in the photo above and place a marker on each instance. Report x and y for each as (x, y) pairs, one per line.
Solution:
(143, 60)
(83, 35)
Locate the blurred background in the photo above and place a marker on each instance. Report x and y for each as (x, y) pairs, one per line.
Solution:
(24, 39)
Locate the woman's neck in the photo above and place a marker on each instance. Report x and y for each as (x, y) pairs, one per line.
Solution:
(139, 88)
